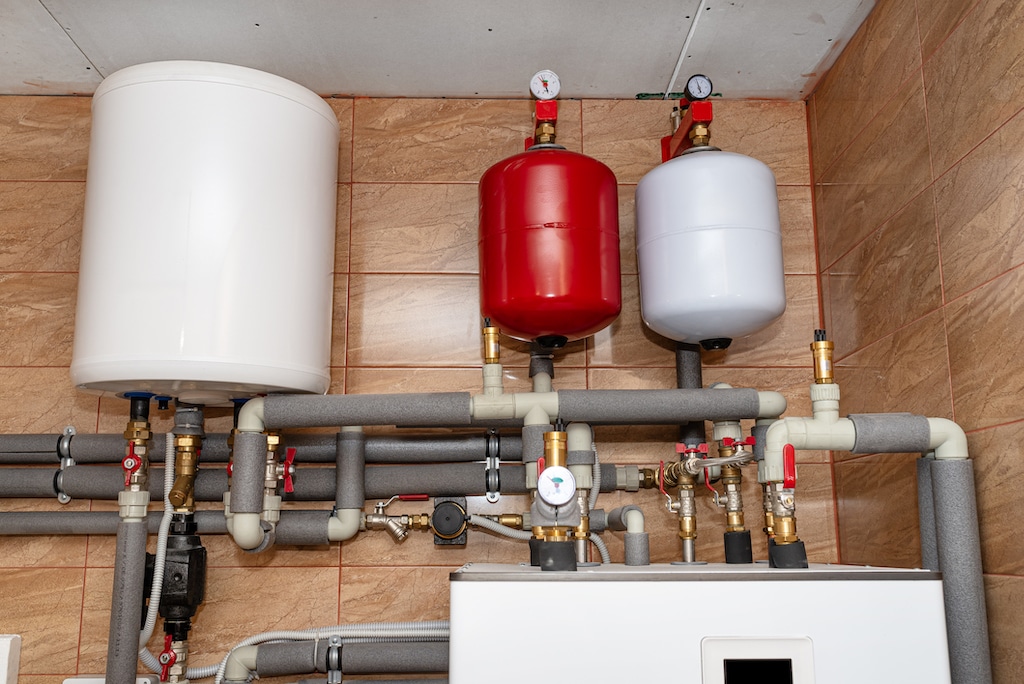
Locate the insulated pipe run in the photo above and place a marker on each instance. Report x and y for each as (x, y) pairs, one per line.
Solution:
(689, 376)
(126, 602)
(350, 484)
(637, 541)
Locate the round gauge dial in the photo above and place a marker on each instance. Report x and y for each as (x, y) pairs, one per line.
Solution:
(556, 485)
(545, 85)
(698, 87)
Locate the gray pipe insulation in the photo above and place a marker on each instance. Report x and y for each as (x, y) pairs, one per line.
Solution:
(126, 603)
(440, 409)
(350, 484)
(689, 376)
(307, 657)
(31, 523)
(311, 448)
(656, 407)
(316, 483)
(248, 473)
(926, 515)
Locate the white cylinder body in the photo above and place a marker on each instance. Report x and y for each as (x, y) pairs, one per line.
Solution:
(208, 241)
(709, 247)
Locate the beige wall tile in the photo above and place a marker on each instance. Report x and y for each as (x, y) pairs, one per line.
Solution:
(445, 140)
(878, 511)
(339, 324)
(1005, 599)
(49, 551)
(997, 476)
(772, 132)
(626, 134)
(627, 341)
(905, 371)
(627, 229)
(391, 380)
(343, 228)
(938, 19)
(343, 108)
(394, 594)
(42, 400)
(44, 138)
(880, 172)
(885, 50)
(796, 214)
(37, 318)
(982, 326)
(44, 606)
(40, 226)
(887, 281)
(786, 342)
(414, 228)
(981, 219)
(975, 78)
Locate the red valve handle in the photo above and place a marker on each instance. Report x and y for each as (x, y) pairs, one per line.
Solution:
(540, 465)
(131, 464)
(682, 448)
(729, 441)
(167, 658)
(788, 466)
(414, 497)
(289, 468)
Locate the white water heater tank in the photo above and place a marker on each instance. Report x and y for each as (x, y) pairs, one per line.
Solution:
(208, 242)
(709, 247)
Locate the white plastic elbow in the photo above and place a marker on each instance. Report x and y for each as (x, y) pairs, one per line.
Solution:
(803, 433)
(634, 519)
(241, 663)
(771, 404)
(578, 437)
(344, 524)
(246, 530)
(947, 439)
(250, 416)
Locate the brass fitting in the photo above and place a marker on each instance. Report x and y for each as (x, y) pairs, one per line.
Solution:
(137, 431)
(545, 133)
(555, 453)
(186, 460)
(554, 533)
(769, 523)
(700, 135)
(511, 520)
(822, 350)
(420, 521)
(492, 346)
(687, 527)
(582, 530)
(676, 474)
(785, 530)
(648, 478)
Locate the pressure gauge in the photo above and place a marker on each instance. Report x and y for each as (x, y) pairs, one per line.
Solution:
(556, 485)
(545, 85)
(698, 87)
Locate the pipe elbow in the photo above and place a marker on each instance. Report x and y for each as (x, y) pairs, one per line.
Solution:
(579, 437)
(250, 416)
(634, 519)
(241, 663)
(344, 524)
(770, 404)
(947, 439)
(246, 530)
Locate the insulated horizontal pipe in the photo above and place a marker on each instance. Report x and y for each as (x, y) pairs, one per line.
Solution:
(313, 483)
(394, 658)
(30, 443)
(656, 407)
(441, 409)
(33, 523)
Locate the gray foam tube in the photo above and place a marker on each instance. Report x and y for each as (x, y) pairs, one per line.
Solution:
(28, 457)
(395, 658)
(926, 515)
(29, 443)
(303, 528)
(890, 433)
(107, 448)
(248, 471)
(689, 376)
(616, 517)
(440, 449)
(456, 479)
(349, 478)
(533, 442)
(580, 457)
(31, 482)
(656, 407)
(126, 603)
(638, 548)
(289, 658)
(441, 409)
(759, 432)
(959, 551)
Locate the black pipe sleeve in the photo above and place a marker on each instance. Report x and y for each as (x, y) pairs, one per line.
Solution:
(248, 472)
(441, 409)
(349, 487)
(395, 658)
(689, 376)
(656, 407)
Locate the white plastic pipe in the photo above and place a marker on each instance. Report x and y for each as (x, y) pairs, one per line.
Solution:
(344, 524)
(634, 519)
(947, 439)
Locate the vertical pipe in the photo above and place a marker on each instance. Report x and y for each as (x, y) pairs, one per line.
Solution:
(126, 602)
(959, 553)
(688, 376)
(350, 482)
(926, 514)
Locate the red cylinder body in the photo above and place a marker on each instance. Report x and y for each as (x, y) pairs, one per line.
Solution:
(549, 245)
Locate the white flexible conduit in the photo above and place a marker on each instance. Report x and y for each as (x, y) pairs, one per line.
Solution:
(147, 658)
(596, 488)
(498, 528)
(436, 630)
(601, 548)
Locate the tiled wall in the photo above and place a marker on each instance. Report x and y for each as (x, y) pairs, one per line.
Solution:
(918, 154)
(406, 320)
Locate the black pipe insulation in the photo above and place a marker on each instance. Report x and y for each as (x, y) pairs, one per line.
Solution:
(440, 409)
(349, 487)
(311, 448)
(656, 407)
(315, 483)
(689, 376)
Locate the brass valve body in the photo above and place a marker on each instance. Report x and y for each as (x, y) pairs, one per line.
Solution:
(823, 372)
(555, 453)
(492, 345)
(186, 460)
(544, 134)
(785, 530)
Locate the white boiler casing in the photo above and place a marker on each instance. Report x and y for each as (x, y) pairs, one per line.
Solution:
(208, 239)
(709, 247)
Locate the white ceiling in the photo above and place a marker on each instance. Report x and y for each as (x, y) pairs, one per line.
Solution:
(437, 48)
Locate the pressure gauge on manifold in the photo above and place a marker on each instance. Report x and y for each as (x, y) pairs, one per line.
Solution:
(545, 85)
(556, 485)
(698, 87)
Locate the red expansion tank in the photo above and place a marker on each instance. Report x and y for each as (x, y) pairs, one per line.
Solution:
(549, 246)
